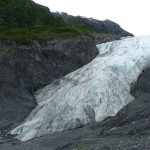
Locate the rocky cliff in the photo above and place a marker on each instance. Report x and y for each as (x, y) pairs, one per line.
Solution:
(24, 69)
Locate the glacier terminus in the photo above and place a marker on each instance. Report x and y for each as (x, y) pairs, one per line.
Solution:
(91, 93)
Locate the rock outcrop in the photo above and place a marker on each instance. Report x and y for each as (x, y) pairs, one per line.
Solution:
(25, 69)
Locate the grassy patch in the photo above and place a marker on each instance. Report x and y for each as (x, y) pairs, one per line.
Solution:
(41, 33)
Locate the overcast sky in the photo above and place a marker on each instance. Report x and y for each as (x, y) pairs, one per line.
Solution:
(132, 15)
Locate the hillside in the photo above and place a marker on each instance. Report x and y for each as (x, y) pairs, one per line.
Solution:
(24, 20)
(106, 26)
(38, 47)
(25, 13)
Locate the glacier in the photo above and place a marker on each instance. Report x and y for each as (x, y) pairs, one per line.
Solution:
(91, 93)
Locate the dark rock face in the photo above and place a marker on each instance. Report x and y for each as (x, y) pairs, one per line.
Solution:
(143, 84)
(24, 69)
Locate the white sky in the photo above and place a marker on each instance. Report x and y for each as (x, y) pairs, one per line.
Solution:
(131, 15)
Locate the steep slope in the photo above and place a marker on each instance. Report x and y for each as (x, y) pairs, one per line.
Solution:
(91, 93)
(25, 20)
(106, 26)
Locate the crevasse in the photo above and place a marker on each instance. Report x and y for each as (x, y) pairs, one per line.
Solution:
(91, 93)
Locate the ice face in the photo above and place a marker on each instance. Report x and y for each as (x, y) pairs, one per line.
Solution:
(91, 93)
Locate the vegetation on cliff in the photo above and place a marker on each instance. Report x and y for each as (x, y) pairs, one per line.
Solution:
(24, 20)
(26, 13)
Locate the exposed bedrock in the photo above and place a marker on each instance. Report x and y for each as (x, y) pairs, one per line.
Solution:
(25, 69)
